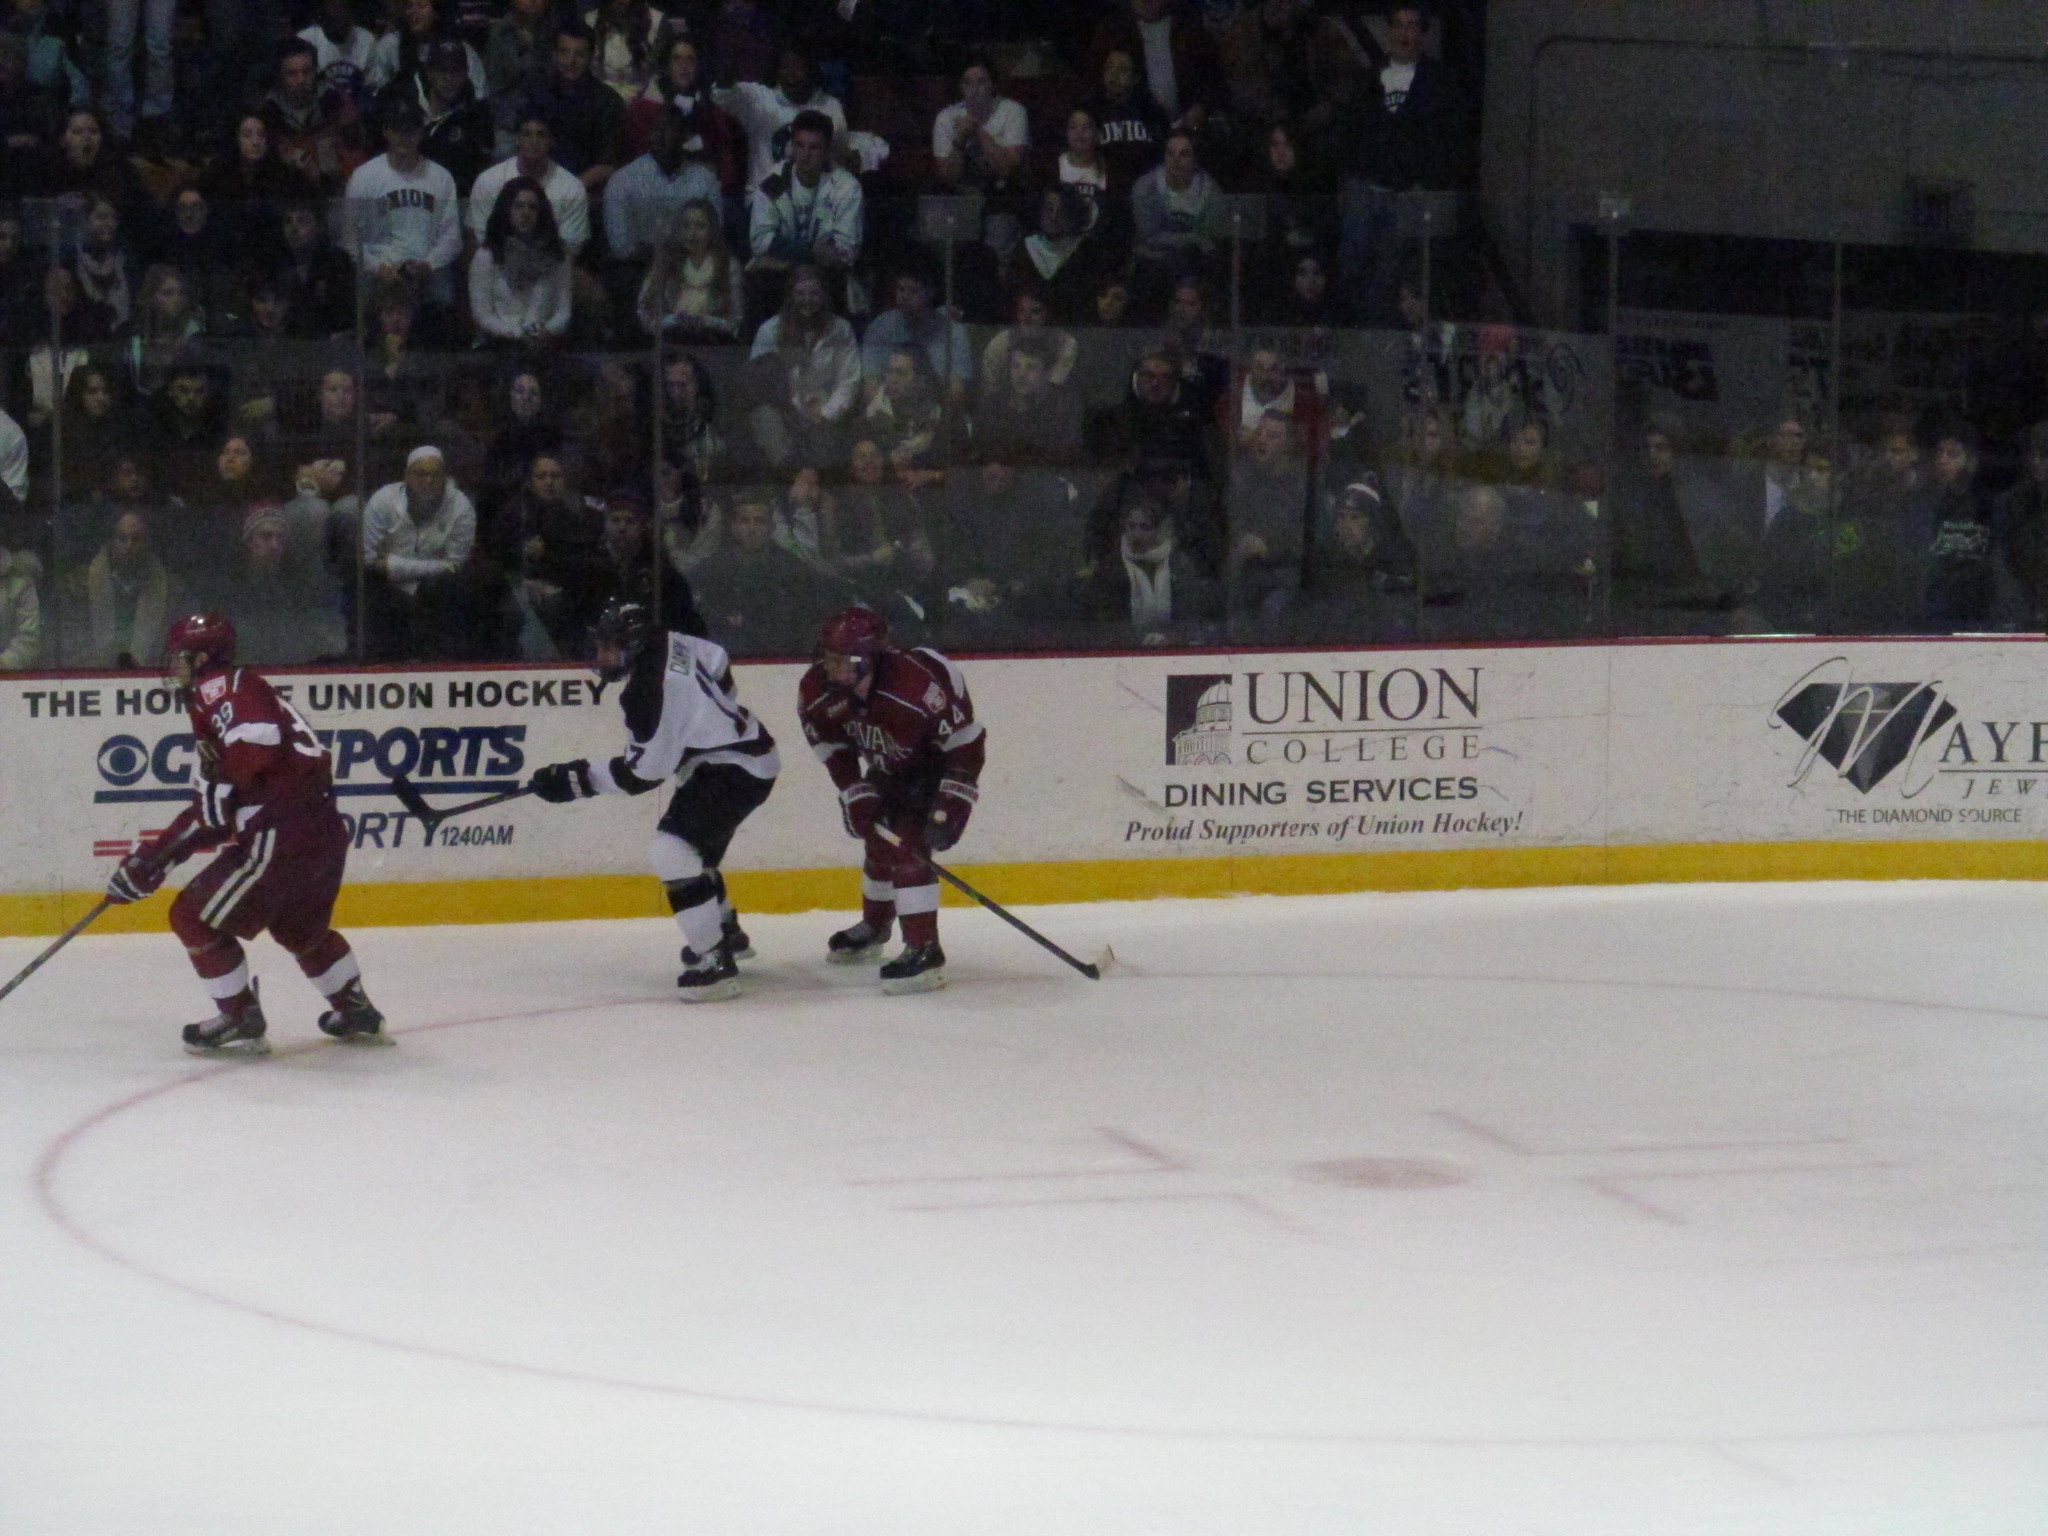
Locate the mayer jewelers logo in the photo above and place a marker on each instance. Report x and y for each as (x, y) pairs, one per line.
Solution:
(1864, 731)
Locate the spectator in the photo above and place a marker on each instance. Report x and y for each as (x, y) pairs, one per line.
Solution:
(317, 278)
(401, 53)
(768, 115)
(21, 275)
(807, 522)
(1113, 300)
(1301, 203)
(96, 429)
(710, 136)
(285, 614)
(250, 188)
(516, 49)
(1545, 518)
(1061, 253)
(1882, 538)
(21, 610)
(341, 49)
(1030, 316)
(1268, 507)
(1132, 126)
(1493, 397)
(691, 529)
(907, 416)
(625, 37)
(1204, 372)
(528, 428)
(154, 18)
(1009, 552)
(1151, 592)
(623, 566)
(545, 538)
(1030, 420)
(740, 37)
(1176, 215)
(1083, 166)
(805, 377)
(14, 457)
(589, 119)
(535, 160)
(2019, 522)
(519, 285)
(1267, 387)
(1286, 64)
(1305, 299)
(1962, 578)
(459, 132)
(187, 422)
(918, 323)
(424, 598)
(402, 383)
(644, 204)
(46, 57)
(979, 145)
(610, 436)
(757, 598)
(1653, 572)
(240, 481)
(30, 118)
(200, 247)
(165, 323)
(404, 206)
(83, 322)
(883, 539)
(317, 133)
(1404, 130)
(1159, 419)
(809, 212)
(1361, 582)
(690, 438)
(129, 596)
(1419, 481)
(104, 263)
(694, 289)
(1174, 56)
(1791, 590)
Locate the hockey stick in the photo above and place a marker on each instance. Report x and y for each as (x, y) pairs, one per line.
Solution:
(63, 938)
(431, 819)
(1092, 970)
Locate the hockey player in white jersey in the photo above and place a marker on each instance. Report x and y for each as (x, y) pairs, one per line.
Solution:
(682, 720)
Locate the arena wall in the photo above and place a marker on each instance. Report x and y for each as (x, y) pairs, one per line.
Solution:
(1144, 775)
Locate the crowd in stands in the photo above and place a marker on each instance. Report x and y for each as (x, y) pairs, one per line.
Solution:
(418, 330)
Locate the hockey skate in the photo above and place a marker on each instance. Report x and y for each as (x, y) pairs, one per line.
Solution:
(354, 1018)
(920, 968)
(858, 945)
(734, 941)
(239, 1033)
(708, 978)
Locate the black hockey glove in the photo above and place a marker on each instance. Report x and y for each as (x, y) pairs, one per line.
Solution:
(949, 813)
(559, 783)
(139, 876)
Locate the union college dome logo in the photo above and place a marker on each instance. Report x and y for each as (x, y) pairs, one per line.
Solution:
(1197, 719)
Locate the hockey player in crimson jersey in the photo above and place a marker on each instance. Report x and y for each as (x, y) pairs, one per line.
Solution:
(683, 719)
(896, 730)
(265, 795)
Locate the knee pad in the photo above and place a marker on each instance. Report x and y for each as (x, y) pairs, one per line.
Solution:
(672, 859)
(693, 892)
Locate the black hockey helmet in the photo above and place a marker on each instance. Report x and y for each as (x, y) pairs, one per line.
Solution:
(625, 626)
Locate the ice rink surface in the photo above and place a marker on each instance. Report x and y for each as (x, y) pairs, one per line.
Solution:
(1680, 1210)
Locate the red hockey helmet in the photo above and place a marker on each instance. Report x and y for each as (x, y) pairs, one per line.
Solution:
(855, 631)
(207, 635)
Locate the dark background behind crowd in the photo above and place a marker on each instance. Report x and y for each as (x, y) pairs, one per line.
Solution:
(419, 330)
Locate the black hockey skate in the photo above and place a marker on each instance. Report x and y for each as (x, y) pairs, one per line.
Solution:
(708, 978)
(225, 1034)
(858, 945)
(354, 1018)
(733, 939)
(920, 968)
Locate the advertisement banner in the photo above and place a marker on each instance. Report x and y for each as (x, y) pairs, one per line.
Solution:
(1141, 758)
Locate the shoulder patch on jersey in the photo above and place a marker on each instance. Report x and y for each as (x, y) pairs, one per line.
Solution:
(214, 688)
(935, 698)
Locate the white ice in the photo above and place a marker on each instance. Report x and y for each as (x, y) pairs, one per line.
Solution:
(1687, 1210)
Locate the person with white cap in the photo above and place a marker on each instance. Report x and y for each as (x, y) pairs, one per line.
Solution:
(417, 537)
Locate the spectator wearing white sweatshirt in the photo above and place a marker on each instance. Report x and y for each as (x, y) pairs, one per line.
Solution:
(424, 596)
(520, 282)
(403, 208)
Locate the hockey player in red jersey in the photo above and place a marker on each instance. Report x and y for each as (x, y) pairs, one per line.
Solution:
(266, 796)
(896, 730)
